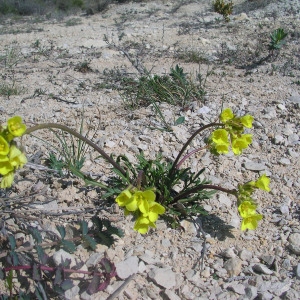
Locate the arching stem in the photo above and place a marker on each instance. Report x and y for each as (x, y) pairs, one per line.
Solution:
(79, 136)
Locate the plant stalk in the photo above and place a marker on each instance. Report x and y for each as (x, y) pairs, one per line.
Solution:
(79, 136)
(188, 142)
(202, 187)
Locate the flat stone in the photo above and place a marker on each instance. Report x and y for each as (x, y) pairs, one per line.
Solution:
(245, 255)
(164, 277)
(285, 161)
(268, 259)
(251, 292)
(295, 99)
(294, 240)
(171, 295)
(228, 253)
(260, 268)
(253, 166)
(94, 259)
(233, 266)
(127, 267)
(237, 288)
(298, 271)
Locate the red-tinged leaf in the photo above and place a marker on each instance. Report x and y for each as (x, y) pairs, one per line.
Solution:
(103, 285)
(93, 286)
(108, 266)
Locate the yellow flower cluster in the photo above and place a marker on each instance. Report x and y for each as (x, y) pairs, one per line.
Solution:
(233, 131)
(142, 204)
(246, 205)
(11, 157)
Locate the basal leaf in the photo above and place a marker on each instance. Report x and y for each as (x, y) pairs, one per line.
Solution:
(90, 241)
(68, 246)
(61, 230)
(35, 234)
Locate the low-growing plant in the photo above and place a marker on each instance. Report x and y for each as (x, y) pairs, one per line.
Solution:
(277, 39)
(225, 9)
(32, 266)
(147, 190)
(175, 88)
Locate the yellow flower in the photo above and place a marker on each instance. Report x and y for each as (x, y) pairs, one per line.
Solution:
(247, 121)
(263, 183)
(16, 157)
(251, 222)
(7, 180)
(220, 136)
(155, 209)
(142, 225)
(220, 148)
(226, 115)
(4, 147)
(247, 208)
(141, 201)
(15, 126)
(5, 166)
(124, 198)
(238, 145)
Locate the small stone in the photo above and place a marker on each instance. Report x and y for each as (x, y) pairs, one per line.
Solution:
(253, 166)
(189, 227)
(233, 266)
(268, 259)
(245, 255)
(203, 110)
(294, 240)
(127, 267)
(292, 153)
(293, 139)
(265, 296)
(284, 209)
(279, 251)
(164, 277)
(94, 259)
(223, 199)
(260, 268)
(228, 253)
(295, 99)
(110, 144)
(170, 295)
(72, 293)
(298, 271)
(291, 294)
(251, 292)
(237, 288)
(285, 161)
(278, 139)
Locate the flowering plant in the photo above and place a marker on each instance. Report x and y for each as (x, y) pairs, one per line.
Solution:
(154, 188)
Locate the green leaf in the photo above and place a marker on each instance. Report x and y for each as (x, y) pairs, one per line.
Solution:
(12, 242)
(67, 284)
(84, 227)
(90, 241)
(61, 230)
(180, 120)
(68, 246)
(35, 234)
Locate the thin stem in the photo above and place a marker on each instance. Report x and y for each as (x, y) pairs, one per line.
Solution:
(78, 135)
(202, 187)
(51, 269)
(189, 154)
(188, 142)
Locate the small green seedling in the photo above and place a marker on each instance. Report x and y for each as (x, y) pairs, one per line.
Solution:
(277, 39)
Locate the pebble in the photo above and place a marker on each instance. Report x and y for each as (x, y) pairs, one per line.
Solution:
(127, 267)
(260, 268)
(253, 166)
(164, 277)
(294, 243)
(233, 266)
(298, 271)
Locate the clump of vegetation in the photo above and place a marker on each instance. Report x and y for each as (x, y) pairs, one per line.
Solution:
(277, 40)
(225, 9)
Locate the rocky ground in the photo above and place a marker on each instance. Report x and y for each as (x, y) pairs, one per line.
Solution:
(60, 66)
